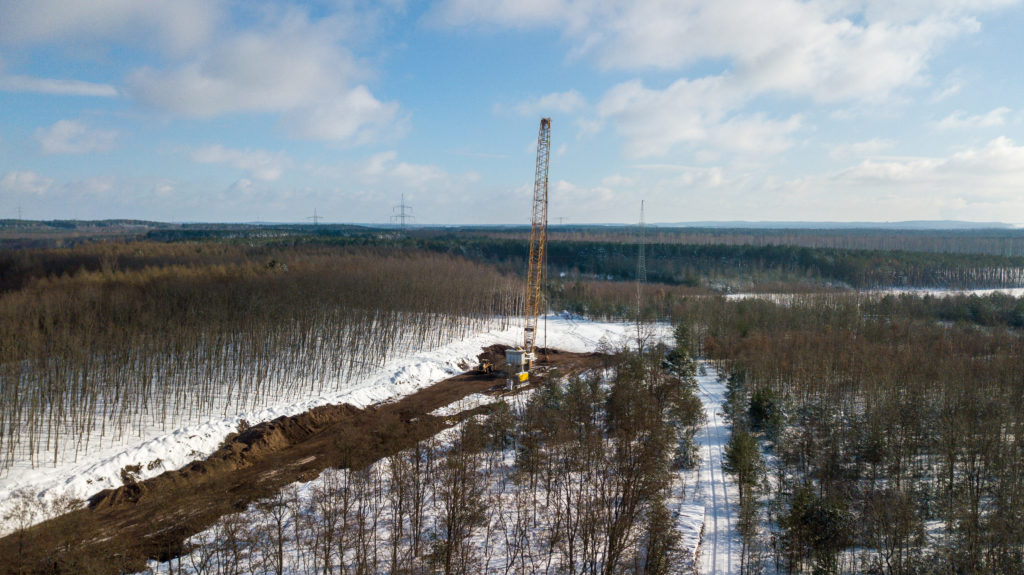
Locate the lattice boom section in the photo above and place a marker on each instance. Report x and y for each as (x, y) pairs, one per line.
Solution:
(538, 236)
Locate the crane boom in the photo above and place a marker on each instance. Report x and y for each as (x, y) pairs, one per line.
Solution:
(535, 274)
(520, 359)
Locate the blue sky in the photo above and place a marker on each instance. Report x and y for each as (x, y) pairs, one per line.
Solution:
(782, 110)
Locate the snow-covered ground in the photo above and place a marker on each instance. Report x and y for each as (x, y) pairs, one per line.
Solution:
(720, 550)
(514, 536)
(934, 292)
(400, 376)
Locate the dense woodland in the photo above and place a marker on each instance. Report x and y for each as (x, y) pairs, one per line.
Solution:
(161, 334)
(743, 267)
(873, 435)
(1001, 241)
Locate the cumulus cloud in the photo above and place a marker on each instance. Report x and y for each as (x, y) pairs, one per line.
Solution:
(384, 168)
(959, 120)
(514, 13)
(822, 51)
(258, 164)
(356, 116)
(833, 49)
(25, 183)
(557, 102)
(290, 66)
(698, 112)
(997, 165)
(177, 24)
(981, 183)
(74, 137)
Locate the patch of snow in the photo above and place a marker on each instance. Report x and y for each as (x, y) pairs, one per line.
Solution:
(788, 298)
(465, 404)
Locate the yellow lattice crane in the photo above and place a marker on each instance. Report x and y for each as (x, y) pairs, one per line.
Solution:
(520, 359)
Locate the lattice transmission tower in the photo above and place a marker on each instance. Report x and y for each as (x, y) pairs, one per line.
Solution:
(403, 213)
(641, 277)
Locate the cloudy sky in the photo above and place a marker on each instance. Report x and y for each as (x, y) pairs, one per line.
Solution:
(232, 110)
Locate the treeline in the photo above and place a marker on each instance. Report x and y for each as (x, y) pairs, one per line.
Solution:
(92, 356)
(870, 437)
(608, 300)
(574, 480)
(722, 266)
(719, 267)
(20, 268)
(992, 241)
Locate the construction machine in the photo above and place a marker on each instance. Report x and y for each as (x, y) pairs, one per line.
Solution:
(520, 359)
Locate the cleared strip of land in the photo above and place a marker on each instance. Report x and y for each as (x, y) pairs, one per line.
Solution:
(153, 518)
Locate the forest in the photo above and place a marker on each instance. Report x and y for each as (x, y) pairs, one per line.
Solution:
(871, 432)
(871, 436)
(160, 334)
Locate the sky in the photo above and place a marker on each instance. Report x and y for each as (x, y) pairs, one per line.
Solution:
(755, 110)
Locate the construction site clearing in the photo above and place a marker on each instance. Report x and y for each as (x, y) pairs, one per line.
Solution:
(153, 518)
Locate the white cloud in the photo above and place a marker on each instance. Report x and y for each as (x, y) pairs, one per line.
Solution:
(513, 13)
(258, 164)
(821, 51)
(177, 24)
(872, 147)
(974, 184)
(616, 180)
(383, 168)
(32, 85)
(25, 183)
(950, 87)
(828, 49)
(74, 137)
(286, 65)
(980, 183)
(697, 112)
(557, 102)
(582, 203)
(355, 116)
(755, 134)
(959, 120)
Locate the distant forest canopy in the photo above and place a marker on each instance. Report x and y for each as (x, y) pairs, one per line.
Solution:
(589, 254)
(992, 241)
(942, 237)
(732, 267)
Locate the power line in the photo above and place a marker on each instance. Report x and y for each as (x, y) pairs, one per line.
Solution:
(641, 278)
(316, 219)
(404, 214)
(641, 261)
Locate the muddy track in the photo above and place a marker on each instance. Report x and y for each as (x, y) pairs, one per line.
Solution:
(122, 528)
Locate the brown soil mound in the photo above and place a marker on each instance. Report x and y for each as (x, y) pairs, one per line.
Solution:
(123, 527)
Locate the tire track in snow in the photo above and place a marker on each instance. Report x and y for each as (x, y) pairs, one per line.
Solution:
(714, 497)
(719, 533)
